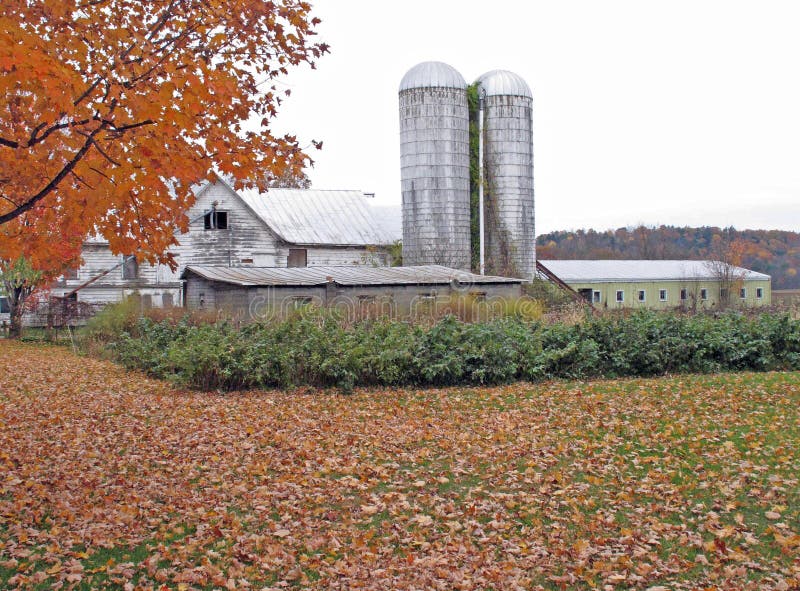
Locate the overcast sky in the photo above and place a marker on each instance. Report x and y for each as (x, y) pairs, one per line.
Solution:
(680, 112)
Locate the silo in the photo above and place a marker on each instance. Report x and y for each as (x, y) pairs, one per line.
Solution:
(434, 164)
(510, 236)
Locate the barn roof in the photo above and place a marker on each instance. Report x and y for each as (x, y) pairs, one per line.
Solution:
(316, 217)
(586, 271)
(349, 276)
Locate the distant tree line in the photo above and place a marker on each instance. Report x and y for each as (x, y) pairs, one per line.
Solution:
(774, 252)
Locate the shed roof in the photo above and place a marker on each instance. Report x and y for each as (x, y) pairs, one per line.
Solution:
(586, 271)
(315, 217)
(350, 276)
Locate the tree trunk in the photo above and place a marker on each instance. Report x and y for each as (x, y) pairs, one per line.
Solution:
(16, 305)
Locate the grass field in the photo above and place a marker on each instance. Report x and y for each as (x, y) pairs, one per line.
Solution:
(112, 480)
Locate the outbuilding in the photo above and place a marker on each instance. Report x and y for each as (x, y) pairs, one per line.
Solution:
(259, 293)
(663, 284)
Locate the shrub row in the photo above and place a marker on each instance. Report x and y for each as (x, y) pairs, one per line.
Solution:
(315, 348)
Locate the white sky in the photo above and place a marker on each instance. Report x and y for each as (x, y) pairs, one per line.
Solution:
(679, 112)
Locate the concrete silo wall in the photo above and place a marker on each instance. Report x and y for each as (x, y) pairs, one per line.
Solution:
(510, 235)
(434, 161)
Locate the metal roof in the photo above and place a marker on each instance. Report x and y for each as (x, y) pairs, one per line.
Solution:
(503, 82)
(432, 75)
(584, 271)
(352, 275)
(314, 217)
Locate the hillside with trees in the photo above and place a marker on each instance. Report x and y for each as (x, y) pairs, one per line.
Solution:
(774, 252)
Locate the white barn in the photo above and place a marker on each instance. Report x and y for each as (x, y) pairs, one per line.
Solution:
(279, 228)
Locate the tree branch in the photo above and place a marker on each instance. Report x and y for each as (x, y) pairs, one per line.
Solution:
(68, 167)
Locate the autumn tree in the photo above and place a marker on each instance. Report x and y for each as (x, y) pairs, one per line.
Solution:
(726, 253)
(114, 109)
(290, 180)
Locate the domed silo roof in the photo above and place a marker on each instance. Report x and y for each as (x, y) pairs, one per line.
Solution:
(503, 82)
(432, 75)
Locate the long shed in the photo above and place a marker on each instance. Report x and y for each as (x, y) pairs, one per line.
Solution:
(663, 284)
(257, 293)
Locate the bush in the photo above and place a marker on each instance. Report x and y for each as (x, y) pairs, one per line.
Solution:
(317, 348)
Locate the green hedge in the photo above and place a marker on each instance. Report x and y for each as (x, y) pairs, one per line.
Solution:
(315, 348)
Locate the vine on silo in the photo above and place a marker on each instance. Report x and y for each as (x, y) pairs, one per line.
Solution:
(474, 176)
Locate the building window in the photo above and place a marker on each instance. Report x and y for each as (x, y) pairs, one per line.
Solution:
(641, 295)
(704, 294)
(4, 308)
(759, 292)
(71, 273)
(723, 294)
(166, 300)
(478, 296)
(743, 292)
(684, 294)
(147, 301)
(247, 261)
(595, 297)
(298, 257)
(300, 302)
(620, 296)
(662, 295)
(130, 268)
(216, 220)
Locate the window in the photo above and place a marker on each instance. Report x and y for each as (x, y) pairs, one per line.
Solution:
(147, 301)
(743, 292)
(595, 297)
(216, 220)
(4, 309)
(620, 296)
(684, 294)
(723, 294)
(641, 295)
(298, 257)
(759, 292)
(71, 273)
(704, 294)
(166, 300)
(300, 301)
(478, 296)
(247, 261)
(130, 268)
(662, 295)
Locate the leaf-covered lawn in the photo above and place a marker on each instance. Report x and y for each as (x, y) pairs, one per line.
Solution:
(108, 479)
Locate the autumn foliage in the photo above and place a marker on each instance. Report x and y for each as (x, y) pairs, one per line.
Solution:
(113, 109)
(109, 480)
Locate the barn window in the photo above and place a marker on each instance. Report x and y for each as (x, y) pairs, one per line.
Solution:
(301, 301)
(298, 257)
(147, 301)
(478, 296)
(216, 220)
(247, 261)
(620, 296)
(166, 300)
(130, 268)
(595, 297)
(641, 295)
(759, 292)
(684, 294)
(743, 292)
(4, 308)
(704, 294)
(71, 273)
(662, 295)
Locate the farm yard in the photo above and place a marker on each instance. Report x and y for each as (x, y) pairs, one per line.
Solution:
(109, 479)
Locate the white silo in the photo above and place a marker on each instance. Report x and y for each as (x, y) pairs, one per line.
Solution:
(510, 235)
(434, 163)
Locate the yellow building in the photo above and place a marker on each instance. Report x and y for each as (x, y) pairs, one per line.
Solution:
(700, 285)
